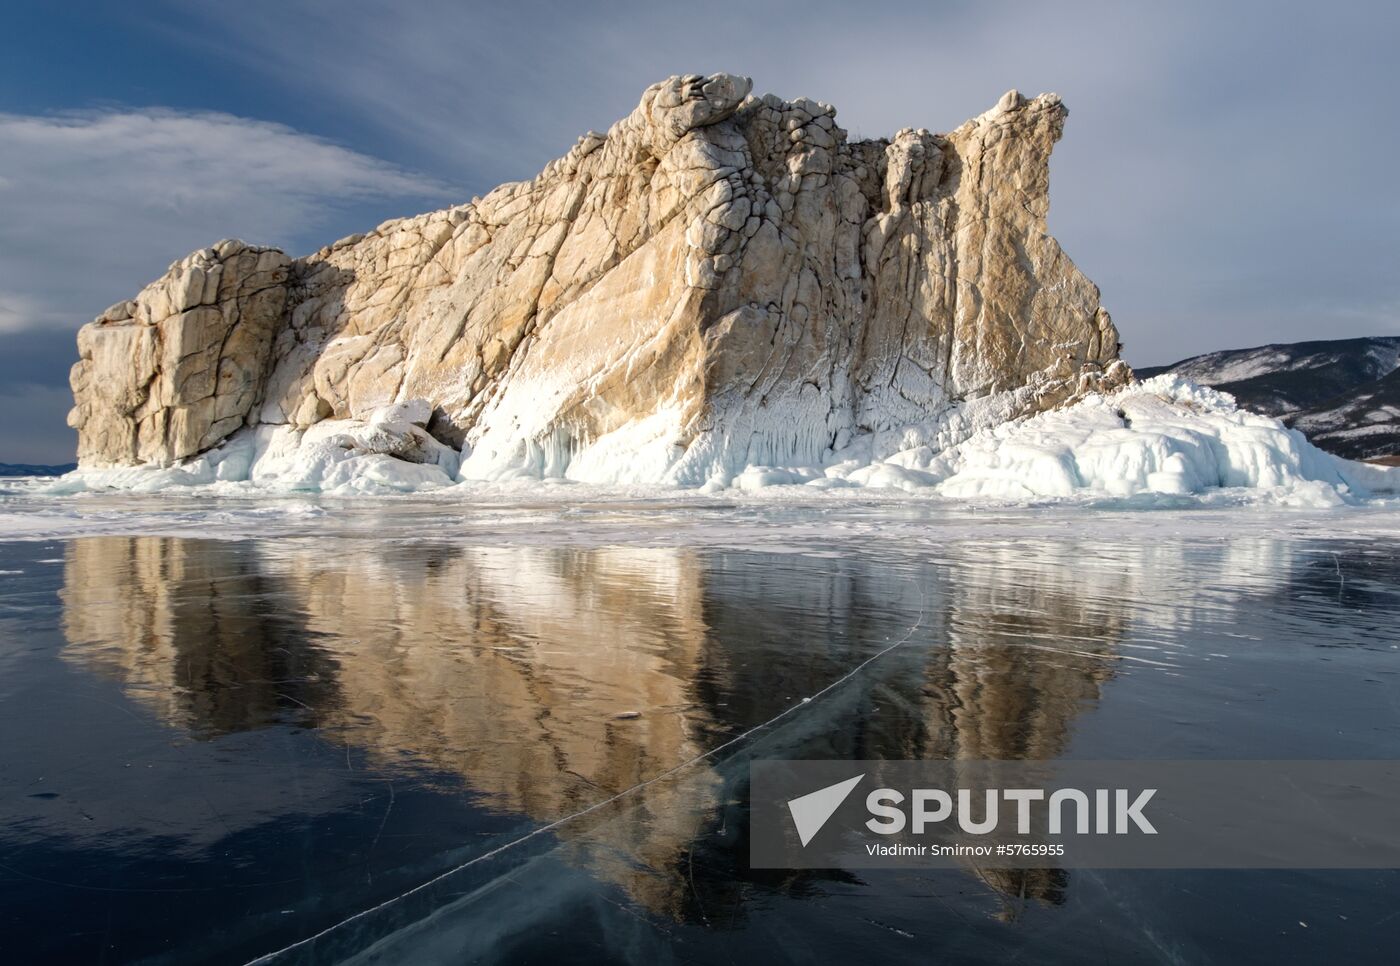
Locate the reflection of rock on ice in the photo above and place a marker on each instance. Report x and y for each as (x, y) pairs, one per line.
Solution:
(183, 625)
(509, 666)
(505, 666)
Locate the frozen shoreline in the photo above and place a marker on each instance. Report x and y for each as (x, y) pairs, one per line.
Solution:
(797, 518)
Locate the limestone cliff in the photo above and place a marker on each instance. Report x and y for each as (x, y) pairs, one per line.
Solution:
(719, 281)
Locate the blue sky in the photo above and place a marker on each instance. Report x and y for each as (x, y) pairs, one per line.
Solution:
(1227, 174)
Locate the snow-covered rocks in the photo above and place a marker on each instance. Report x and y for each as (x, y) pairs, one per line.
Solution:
(388, 452)
(1164, 437)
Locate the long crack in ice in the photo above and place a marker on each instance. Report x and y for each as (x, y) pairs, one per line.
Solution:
(604, 803)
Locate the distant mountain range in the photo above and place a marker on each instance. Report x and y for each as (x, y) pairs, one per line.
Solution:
(35, 469)
(1344, 394)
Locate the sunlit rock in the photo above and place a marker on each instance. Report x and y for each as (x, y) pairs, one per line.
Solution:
(720, 280)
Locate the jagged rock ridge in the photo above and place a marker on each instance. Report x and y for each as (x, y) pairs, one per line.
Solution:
(719, 281)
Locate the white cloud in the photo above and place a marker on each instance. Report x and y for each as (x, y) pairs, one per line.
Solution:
(98, 204)
(17, 310)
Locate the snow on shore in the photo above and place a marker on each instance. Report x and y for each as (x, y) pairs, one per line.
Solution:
(1165, 437)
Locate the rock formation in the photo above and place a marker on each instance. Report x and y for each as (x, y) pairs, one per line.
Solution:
(177, 369)
(720, 281)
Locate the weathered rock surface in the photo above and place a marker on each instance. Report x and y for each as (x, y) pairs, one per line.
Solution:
(719, 281)
(176, 370)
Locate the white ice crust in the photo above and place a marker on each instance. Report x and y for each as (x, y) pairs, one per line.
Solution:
(1165, 438)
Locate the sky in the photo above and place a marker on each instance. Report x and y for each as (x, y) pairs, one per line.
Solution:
(1227, 174)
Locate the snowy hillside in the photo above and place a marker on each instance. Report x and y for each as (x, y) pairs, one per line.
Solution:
(1342, 393)
(1362, 425)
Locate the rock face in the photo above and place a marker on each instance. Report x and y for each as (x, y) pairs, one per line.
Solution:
(176, 370)
(719, 281)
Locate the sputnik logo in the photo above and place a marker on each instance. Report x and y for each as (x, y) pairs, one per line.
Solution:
(811, 811)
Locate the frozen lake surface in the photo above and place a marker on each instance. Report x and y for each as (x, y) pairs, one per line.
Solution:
(233, 724)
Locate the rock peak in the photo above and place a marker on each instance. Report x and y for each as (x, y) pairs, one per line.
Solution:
(687, 101)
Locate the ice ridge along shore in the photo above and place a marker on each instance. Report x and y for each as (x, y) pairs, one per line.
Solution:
(1164, 438)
